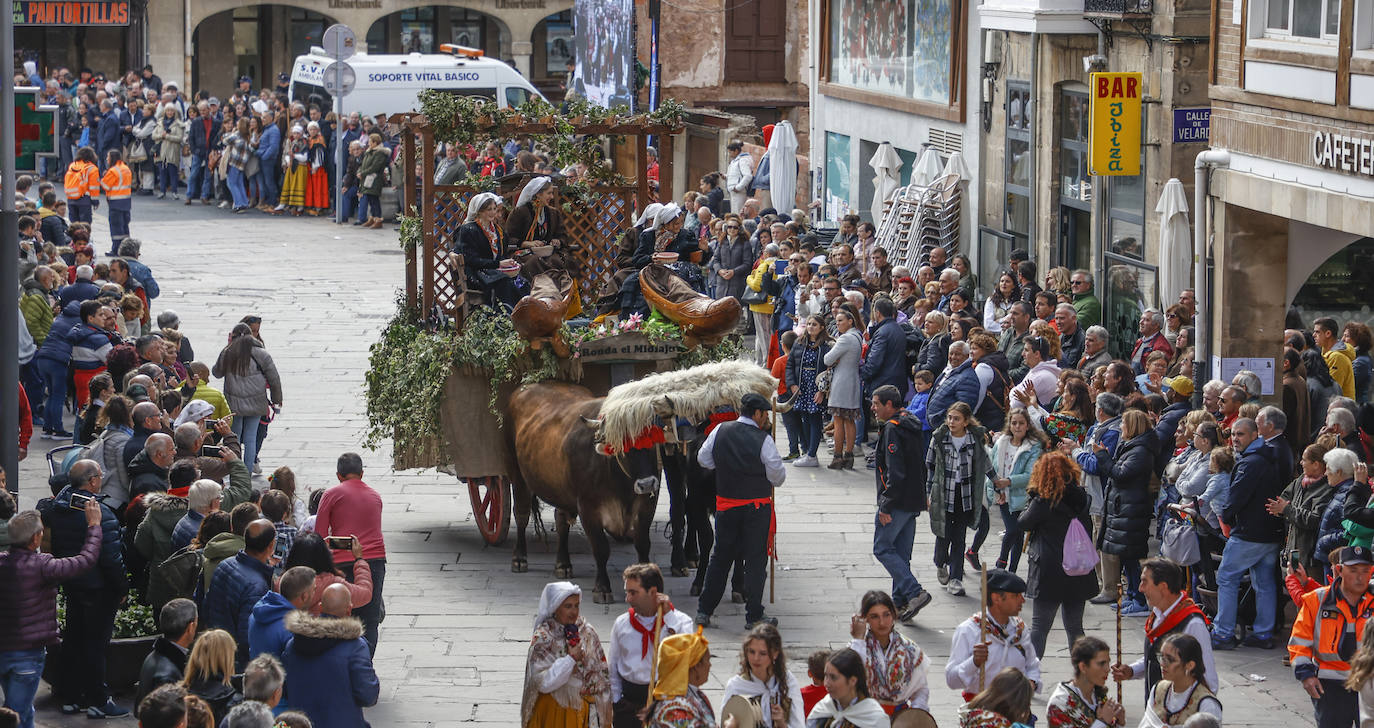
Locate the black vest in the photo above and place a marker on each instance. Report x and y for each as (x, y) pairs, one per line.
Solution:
(1153, 672)
(739, 468)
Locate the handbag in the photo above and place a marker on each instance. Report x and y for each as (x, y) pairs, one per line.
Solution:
(253, 166)
(1179, 542)
(1080, 556)
(136, 153)
(751, 296)
(489, 276)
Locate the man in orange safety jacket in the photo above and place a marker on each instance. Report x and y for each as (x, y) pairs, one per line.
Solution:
(1331, 622)
(82, 183)
(118, 184)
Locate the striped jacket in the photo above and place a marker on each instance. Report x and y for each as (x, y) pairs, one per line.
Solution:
(1327, 633)
(91, 346)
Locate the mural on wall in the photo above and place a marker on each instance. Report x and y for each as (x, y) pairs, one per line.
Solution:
(899, 48)
(604, 72)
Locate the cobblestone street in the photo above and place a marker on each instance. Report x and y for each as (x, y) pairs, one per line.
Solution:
(453, 645)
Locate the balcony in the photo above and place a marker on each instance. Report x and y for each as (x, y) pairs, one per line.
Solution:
(1037, 16)
(1117, 9)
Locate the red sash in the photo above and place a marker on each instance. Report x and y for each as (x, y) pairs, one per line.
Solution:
(1185, 608)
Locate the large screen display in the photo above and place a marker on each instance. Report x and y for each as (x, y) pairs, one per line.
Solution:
(604, 35)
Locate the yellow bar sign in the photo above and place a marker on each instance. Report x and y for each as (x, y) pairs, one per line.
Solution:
(1114, 134)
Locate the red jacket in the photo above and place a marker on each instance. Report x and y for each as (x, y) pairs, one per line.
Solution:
(25, 420)
(31, 578)
(352, 508)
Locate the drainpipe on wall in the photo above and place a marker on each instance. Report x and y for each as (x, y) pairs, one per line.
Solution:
(1033, 112)
(186, 49)
(1202, 168)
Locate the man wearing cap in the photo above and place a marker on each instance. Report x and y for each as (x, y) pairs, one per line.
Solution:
(283, 83)
(748, 467)
(1006, 639)
(900, 469)
(1326, 635)
(1172, 611)
(245, 88)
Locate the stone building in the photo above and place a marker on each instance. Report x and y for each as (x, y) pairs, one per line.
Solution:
(1293, 104)
(1038, 192)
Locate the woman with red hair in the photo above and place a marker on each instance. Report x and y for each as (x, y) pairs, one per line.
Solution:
(1056, 502)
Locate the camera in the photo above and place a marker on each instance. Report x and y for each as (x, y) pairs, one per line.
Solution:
(79, 500)
(211, 451)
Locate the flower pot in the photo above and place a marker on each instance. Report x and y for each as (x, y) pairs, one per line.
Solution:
(123, 660)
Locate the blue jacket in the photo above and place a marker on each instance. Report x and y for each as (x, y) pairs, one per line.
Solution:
(329, 674)
(78, 292)
(1108, 433)
(1254, 481)
(886, 360)
(269, 145)
(1331, 534)
(960, 386)
(107, 135)
(237, 585)
(57, 346)
(1165, 430)
(917, 407)
(186, 530)
(90, 346)
(267, 625)
(67, 528)
(144, 276)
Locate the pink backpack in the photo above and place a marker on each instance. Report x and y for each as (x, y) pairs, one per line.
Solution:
(1080, 556)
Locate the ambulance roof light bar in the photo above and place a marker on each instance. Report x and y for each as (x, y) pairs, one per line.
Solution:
(458, 50)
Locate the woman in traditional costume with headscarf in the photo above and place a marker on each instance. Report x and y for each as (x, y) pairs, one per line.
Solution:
(895, 668)
(664, 235)
(847, 703)
(684, 664)
(295, 171)
(479, 240)
(608, 298)
(317, 195)
(567, 683)
(535, 222)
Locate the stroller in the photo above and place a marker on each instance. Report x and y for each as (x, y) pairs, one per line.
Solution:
(1200, 557)
(60, 461)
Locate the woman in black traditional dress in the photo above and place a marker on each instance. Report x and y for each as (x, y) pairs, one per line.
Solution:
(479, 240)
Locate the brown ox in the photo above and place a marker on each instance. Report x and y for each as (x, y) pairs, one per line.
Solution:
(553, 439)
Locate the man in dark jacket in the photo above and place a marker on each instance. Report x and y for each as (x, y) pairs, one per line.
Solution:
(93, 596)
(108, 133)
(901, 476)
(1255, 540)
(959, 383)
(886, 360)
(148, 469)
(329, 674)
(267, 632)
(147, 421)
(1271, 424)
(166, 663)
(238, 583)
(28, 616)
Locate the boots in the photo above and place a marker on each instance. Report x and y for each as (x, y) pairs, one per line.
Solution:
(1111, 579)
(837, 463)
(849, 460)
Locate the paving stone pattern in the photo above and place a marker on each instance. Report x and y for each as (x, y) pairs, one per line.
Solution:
(457, 623)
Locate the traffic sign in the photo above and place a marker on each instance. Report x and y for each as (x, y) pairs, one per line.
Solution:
(339, 42)
(339, 78)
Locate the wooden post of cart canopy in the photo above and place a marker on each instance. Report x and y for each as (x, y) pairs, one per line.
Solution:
(665, 168)
(408, 203)
(642, 167)
(426, 208)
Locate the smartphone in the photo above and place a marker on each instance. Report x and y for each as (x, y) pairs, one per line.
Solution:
(780, 266)
(79, 500)
(342, 543)
(1293, 559)
(211, 451)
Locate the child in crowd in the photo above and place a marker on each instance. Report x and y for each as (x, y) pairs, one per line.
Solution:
(284, 480)
(815, 669)
(922, 383)
(790, 420)
(276, 507)
(316, 496)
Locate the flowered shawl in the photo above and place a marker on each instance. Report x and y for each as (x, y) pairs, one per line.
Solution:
(691, 710)
(591, 678)
(1068, 709)
(890, 670)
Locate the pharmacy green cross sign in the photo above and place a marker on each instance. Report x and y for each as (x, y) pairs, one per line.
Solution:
(35, 133)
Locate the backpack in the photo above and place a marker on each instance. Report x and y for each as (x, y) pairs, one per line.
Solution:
(1080, 556)
(94, 451)
(176, 577)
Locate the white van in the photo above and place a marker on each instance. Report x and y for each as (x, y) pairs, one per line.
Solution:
(391, 84)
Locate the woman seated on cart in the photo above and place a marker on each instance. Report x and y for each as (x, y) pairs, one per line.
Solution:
(480, 242)
(664, 235)
(537, 222)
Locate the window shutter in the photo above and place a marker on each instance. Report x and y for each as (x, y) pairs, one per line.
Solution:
(756, 41)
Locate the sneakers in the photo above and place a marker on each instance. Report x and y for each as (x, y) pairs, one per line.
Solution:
(806, 461)
(1264, 643)
(108, 710)
(71, 709)
(1224, 643)
(765, 619)
(702, 620)
(789, 457)
(1131, 609)
(912, 607)
(942, 575)
(971, 557)
(57, 435)
(956, 587)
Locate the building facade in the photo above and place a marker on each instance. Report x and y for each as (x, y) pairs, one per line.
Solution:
(1038, 191)
(895, 71)
(1293, 104)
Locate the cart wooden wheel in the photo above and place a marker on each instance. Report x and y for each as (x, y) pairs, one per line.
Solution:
(490, 497)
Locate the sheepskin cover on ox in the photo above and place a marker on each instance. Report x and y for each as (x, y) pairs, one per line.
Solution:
(693, 393)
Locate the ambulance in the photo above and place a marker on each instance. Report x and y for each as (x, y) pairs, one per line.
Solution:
(390, 84)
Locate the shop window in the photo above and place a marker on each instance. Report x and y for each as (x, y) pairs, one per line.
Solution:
(1016, 213)
(1130, 289)
(756, 41)
(1075, 182)
(837, 175)
(307, 29)
(1341, 287)
(1126, 215)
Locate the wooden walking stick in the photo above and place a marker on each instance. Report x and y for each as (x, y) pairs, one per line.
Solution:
(983, 629)
(653, 664)
(1120, 590)
(773, 500)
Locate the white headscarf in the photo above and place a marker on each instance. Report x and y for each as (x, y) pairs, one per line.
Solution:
(194, 411)
(478, 201)
(666, 214)
(555, 592)
(533, 188)
(648, 214)
(866, 713)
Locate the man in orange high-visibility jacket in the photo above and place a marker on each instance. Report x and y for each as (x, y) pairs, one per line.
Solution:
(1331, 622)
(118, 184)
(82, 183)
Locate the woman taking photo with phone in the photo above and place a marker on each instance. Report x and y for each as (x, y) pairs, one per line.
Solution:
(310, 550)
(567, 682)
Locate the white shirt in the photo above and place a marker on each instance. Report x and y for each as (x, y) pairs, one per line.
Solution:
(625, 655)
(1197, 629)
(916, 693)
(751, 687)
(1009, 651)
(1174, 702)
(768, 453)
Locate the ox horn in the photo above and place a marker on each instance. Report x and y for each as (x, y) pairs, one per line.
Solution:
(591, 422)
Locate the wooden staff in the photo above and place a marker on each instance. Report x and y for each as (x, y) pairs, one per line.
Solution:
(653, 664)
(983, 629)
(773, 558)
(1120, 590)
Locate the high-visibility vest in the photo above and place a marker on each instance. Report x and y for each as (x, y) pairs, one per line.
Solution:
(82, 180)
(1326, 620)
(118, 182)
